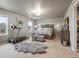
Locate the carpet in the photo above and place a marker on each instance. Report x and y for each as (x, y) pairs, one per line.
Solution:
(33, 48)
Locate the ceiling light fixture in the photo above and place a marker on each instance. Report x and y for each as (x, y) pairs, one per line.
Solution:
(37, 11)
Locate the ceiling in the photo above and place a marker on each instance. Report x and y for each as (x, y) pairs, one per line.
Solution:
(49, 8)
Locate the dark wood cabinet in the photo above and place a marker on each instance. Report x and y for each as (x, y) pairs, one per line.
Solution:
(65, 37)
(65, 33)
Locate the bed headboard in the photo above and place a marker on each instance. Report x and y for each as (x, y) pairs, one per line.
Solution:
(47, 26)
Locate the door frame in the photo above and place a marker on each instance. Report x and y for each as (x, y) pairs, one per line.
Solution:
(75, 23)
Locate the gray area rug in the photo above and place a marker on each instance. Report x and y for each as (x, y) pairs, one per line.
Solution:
(33, 48)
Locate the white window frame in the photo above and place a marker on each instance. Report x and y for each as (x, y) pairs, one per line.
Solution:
(6, 25)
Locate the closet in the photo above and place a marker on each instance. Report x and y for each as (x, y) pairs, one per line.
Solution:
(78, 27)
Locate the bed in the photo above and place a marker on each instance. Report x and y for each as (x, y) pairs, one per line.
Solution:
(47, 30)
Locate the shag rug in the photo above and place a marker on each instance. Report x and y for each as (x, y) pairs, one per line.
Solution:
(33, 48)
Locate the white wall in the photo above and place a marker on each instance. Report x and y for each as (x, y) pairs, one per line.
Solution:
(72, 25)
(55, 21)
(12, 20)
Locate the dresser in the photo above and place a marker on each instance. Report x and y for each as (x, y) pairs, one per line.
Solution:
(65, 37)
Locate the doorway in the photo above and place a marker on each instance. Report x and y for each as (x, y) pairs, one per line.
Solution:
(76, 24)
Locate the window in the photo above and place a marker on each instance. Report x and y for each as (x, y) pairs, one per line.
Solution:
(29, 25)
(3, 25)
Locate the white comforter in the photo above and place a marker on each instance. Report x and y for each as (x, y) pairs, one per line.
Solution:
(47, 31)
